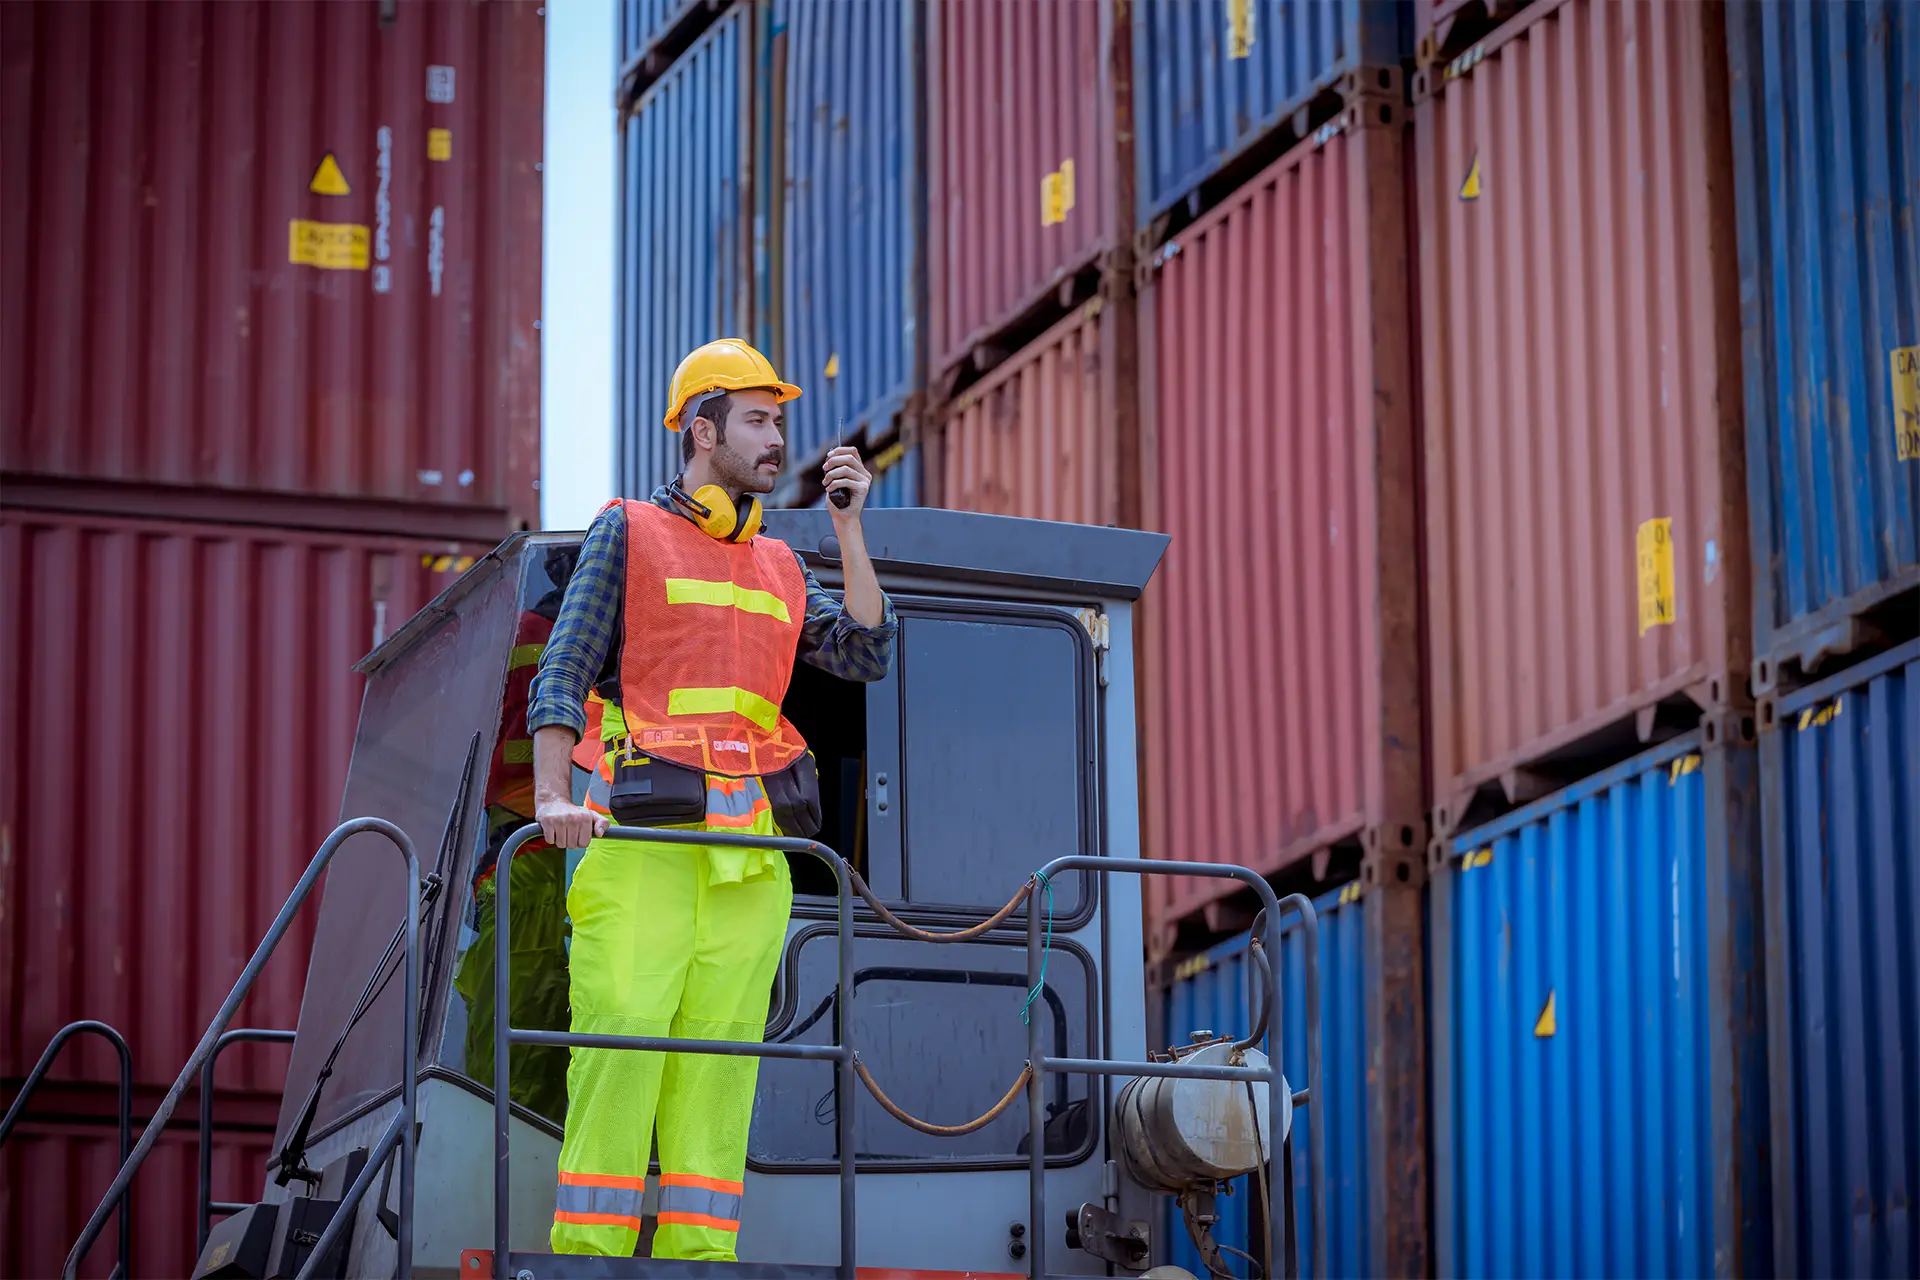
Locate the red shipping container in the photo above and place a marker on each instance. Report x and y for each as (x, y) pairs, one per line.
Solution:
(1585, 476)
(288, 249)
(1281, 696)
(1036, 438)
(1021, 168)
(55, 1175)
(181, 709)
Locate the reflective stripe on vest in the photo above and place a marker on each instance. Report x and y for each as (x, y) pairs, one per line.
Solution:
(712, 631)
(694, 1201)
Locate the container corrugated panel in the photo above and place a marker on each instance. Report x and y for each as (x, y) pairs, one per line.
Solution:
(851, 265)
(1261, 622)
(644, 21)
(1020, 156)
(57, 1173)
(156, 329)
(139, 877)
(1826, 132)
(1035, 438)
(1211, 76)
(685, 250)
(1570, 1014)
(1841, 766)
(1214, 993)
(1586, 529)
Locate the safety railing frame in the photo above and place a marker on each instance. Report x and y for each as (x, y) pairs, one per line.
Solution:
(843, 1052)
(400, 1132)
(94, 1027)
(205, 1206)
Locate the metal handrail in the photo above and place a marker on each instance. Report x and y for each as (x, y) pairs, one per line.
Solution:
(207, 1206)
(93, 1027)
(410, 1016)
(843, 1053)
(840, 1052)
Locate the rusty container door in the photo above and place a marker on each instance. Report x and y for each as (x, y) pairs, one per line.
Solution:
(1035, 438)
(277, 263)
(1020, 159)
(1586, 559)
(188, 692)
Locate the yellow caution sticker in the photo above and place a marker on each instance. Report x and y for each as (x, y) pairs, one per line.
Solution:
(439, 144)
(1682, 767)
(888, 456)
(328, 180)
(1546, 1024)
(1903, 364)
(833, 366)
(1653, 552)
(1470, 187)
(331, 246)
(1056, 195)
(1351, 893)
(1818, 717)
(1190, 967)
(1239, 28)
(1477, 858)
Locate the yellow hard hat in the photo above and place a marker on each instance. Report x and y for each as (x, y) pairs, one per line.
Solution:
(727, 364)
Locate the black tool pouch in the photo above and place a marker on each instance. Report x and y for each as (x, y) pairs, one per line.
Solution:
(794, 794)
(649, 792)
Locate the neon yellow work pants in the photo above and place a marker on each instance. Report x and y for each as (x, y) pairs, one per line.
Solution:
(537, 983)
(666, 943)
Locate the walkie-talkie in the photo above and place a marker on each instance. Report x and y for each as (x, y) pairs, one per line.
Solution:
(839, 497)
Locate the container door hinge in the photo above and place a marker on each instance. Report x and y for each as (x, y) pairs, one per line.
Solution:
(1110, 1180)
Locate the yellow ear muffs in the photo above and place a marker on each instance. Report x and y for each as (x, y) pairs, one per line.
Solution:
(717, 517)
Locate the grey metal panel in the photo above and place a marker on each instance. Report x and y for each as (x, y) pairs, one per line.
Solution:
(1004, 550)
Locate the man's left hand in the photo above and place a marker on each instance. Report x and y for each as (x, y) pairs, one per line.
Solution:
(845, 472)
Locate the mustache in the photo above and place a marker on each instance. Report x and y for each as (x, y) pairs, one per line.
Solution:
(777, 456)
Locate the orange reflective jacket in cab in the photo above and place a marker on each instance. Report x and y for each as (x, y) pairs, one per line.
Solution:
(711, 632)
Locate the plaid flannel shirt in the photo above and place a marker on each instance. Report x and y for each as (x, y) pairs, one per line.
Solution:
(594, 613)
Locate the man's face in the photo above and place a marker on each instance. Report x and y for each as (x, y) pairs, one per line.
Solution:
(748, 458)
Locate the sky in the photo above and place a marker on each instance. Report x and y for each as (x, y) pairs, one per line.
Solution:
(577, 309)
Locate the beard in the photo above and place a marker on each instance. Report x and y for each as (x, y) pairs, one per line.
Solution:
(738, 473)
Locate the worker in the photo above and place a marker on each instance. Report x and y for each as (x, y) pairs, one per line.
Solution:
(688, 621)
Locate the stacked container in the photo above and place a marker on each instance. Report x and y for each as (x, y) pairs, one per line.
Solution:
(269, 368)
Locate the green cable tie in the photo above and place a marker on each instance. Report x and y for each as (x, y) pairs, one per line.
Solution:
(1046, 946)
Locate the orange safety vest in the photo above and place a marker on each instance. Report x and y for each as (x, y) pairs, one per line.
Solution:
(712, 628)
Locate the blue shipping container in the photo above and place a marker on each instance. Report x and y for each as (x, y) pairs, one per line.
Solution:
(1212, 76)
(1840, 768)
(644, 21)
(685, 254)
(849, 260)
(1826, 140)
(1213, 993)
(1570, 1030)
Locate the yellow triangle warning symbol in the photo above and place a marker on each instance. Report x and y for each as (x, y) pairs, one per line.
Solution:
(833, 366)
(1543, 1027)
(1470, 189)
(328, 180)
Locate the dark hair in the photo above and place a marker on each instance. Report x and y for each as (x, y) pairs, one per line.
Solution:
(714, 409)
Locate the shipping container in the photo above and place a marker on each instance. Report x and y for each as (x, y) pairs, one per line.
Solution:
(685, 260)
(642, 22)
(1826, 144)
(1021, 164)
(1840, 770)
(896, 479)
(275, 253)
(1214, 992)
(850, 255)
(1213, 76)
(1444, 28)
(1585, 502)
(188, 696)
(1281, 689)
(57, 1173)
(1037, 437)
(1571, 1020)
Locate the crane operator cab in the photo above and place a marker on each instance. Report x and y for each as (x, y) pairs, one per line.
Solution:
(1002, 738)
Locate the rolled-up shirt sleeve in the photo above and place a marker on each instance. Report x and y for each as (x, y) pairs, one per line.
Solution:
(833, 641)
(583, 633)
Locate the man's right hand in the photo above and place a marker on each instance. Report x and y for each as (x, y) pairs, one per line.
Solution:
(567, 825)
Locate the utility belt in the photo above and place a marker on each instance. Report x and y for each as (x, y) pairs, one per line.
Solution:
(646, 791)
